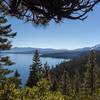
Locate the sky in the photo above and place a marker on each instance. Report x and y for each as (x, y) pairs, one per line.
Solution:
(69, 34)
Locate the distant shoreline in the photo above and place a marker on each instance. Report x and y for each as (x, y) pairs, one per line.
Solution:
(41, 55)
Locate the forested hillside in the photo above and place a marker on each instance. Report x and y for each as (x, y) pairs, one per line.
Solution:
(74, 65)
(67, 55)
(78, 79)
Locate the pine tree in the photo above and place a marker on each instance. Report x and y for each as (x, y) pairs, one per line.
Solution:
(5, 44)
(98, 80)
(66, 84)
(46, 71)
(16, 74)
(15, 80)
(77, 82)
(46, 74)
(90, 77)
(35, 71)
(55, 85)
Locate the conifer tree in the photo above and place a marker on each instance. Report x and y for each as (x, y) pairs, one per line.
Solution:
(66, 84)
(5, 44)
(16, 74)
(35, 71)
(14, 80)
(98, 80)
(55, 85)
(90, 77)
(46, 71)
(77, 82)
(46, 74)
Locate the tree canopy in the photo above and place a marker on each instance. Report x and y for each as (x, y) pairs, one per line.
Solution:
(35, 71)
(42, 11)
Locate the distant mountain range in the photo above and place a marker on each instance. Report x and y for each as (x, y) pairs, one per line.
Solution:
(77, 53)
(96, 47)
(28, 50)
(56, 53)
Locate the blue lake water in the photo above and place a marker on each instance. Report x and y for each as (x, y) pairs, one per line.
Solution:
(23, 62)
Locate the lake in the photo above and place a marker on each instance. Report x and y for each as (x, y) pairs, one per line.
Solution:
(23, 62)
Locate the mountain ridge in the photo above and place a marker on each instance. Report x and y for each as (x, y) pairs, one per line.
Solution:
(55, 53)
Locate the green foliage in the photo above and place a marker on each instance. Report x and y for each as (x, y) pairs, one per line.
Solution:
(35, 71)
(46, 72)
(16, 74)
(55, 85)
(5, 33)
(39, 92)
(77, 82)
(66, 84)
(5, 44)
(8, 91)
(8, 86)
(84, 83)
(14, 80)
(90, 79)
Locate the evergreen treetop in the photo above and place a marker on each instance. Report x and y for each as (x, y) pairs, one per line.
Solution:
(16, 74)
(90, 78)
(66, 87)
(36, 59)
(35, 71)
(46, 71)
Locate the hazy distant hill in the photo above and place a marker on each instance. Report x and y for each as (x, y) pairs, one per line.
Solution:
(28, 50)
(56, 53)
(67, 55)
(77, 53)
